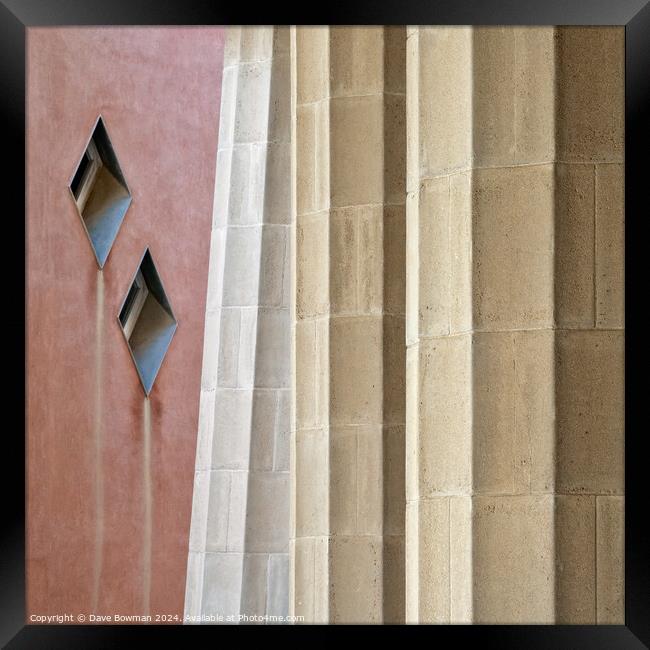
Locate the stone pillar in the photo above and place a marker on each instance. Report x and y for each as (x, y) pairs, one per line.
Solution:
(238, 561)
(515, 325)
(348, 115)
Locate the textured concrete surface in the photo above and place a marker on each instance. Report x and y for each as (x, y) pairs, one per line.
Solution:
(238, 562)
(349, 142)
(109, 486)
(514, 435)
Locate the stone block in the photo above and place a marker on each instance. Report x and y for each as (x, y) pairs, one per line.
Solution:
(253, 92)
(356, 60)
(394, 370)
(370, 481)
(460, 253)
(394, 254)
(394, 582)
(493, 95)
(312, 268)
(344, 260)
(211, 339)
(312, 483)
(240, 287)
(356, 589)
(575, 560)
(431, 231)
(355, 370)
(228, 107)
(460, 560)
(610, 560)
(267, 512)
(444, 426)
(610, 246)
(194, 585)
(513, 235)
(263, 429)
(590, 93)
(237, 186)
(280, 100)
(205, 432)
(215, 270)
(412, 274)
(247, 347)
(412, 433)
(200, 500)
(305, 152)
(444, 69)
(513, 95)
(253, 589)
(306, 374)
(277, 599)
(237, 505)
(343, 481)
(413, 112)
(232, 428)
(514, 420)
(302, 554)
(395, 59)
(574, 245)
(513, 560)
(222, 584)
(272, 353)
(275, 240)
(370, 259)
(590, 412)
(356, 150)
(221, 201)
(394, 148)
(228, 350)
(277, 189)
(312, 63)
(356, 256)
(535, 90)
(218, 506)
(394, 495)
(232, 45)
(256, 43)
(322, 153)
(282, 432)
(427, 556)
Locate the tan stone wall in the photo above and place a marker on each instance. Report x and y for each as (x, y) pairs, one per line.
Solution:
(348, 443)
(511, 470)
(238, 563)
(515, 324)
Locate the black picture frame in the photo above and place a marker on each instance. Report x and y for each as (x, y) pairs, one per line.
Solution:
(18, 15)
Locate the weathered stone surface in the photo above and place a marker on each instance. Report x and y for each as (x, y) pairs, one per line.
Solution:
(590, 94)
(513, 559)
(589, 402)
(241, 506)
(610, 246)
(575, 559)
(514, 301)
(610, 560)
(512, 252)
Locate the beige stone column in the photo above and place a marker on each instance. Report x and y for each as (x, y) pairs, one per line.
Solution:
(515, 325)
(238, 562)
(349, 136)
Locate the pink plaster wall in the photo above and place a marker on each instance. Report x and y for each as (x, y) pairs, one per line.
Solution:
(158, 90)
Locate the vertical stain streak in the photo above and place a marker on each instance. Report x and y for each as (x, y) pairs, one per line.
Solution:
(147, 500)
(97, 435)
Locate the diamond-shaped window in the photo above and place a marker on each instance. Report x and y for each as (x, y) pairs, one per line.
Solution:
(100, 192)
(147, 321)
